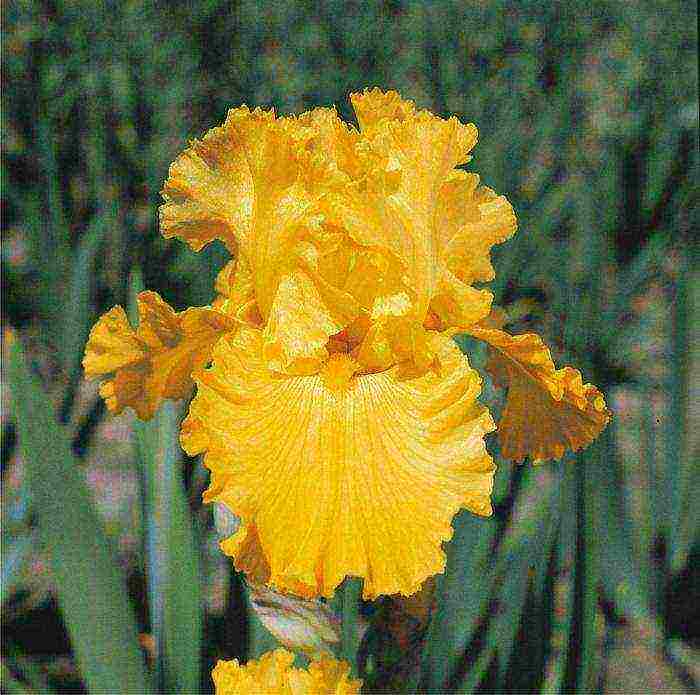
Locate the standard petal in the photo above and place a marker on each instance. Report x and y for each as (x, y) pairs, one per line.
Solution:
(209, 191)
(373, 106)
(394, 206)
(155, 361)
(234, 285)
(458, 305)
(548, 411)
(359, 481)
(252, 183)
(471, 220)
(299, 327)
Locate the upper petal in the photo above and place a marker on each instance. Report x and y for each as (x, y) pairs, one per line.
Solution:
(209, 191)
(156, 360)
(548, 411)
(471, 219)
(299, 327)
(329, 482)
(373, 106)
(253, 183)
(393, 205)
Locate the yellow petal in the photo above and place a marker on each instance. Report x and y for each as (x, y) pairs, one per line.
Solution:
(112, 345)
(458, 305)
(330, 482)
(234, 285)
(209, 191)
(548, 411)
(274, 674)
(299, 327)
(373, 105)
(253, 183)
(421, 151)
(472, 220)
(334, 138)
(156, 360)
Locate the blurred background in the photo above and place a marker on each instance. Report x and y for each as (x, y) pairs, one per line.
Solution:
(586, 579)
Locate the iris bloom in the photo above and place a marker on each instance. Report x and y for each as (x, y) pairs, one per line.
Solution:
(274, 674)
(339, 420)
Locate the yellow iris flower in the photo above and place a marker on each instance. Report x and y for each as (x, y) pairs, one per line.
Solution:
(338, 418)
(273, 673)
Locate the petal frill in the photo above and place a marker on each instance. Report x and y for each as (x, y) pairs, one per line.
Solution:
(155, 361)
(234, 287)
(372, 106)
(421, 153)
(275, 674)
(548, 411)
(458, 305)
(209, 191)
(252, 183)
(471, 220)
(328, 483)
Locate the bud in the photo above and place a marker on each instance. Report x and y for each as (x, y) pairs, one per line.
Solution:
(225, 521)
(304, 625)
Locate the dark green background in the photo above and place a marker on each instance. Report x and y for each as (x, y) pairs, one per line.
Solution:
(588, 122)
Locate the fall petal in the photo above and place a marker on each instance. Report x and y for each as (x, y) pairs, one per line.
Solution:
(548, 411)
(156, 360)
(359, 482)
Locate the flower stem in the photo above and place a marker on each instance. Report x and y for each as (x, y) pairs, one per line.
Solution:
(350, 608)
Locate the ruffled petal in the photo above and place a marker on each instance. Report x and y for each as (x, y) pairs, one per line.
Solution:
(234, 287)
(458, 305)
(252, 183)
(472, 219)
(372, 106)
(548, 411)
(408, 157)
(112, 346)
(274, 674)
(209, 192)
(299, 327)
(155, 361)
(332, 482)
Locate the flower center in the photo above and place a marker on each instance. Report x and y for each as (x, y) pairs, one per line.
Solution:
(338, 371)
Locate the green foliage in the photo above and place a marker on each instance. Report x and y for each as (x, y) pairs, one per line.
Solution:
(587, 113)
(89, 583)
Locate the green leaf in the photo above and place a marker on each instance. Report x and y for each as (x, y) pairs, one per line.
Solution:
(562, 613)
(681, 478)
(79, 315)
(172, 556)
(463, 594)
(173, 562)
(89, 582)
(588, 569)
(15, 553)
